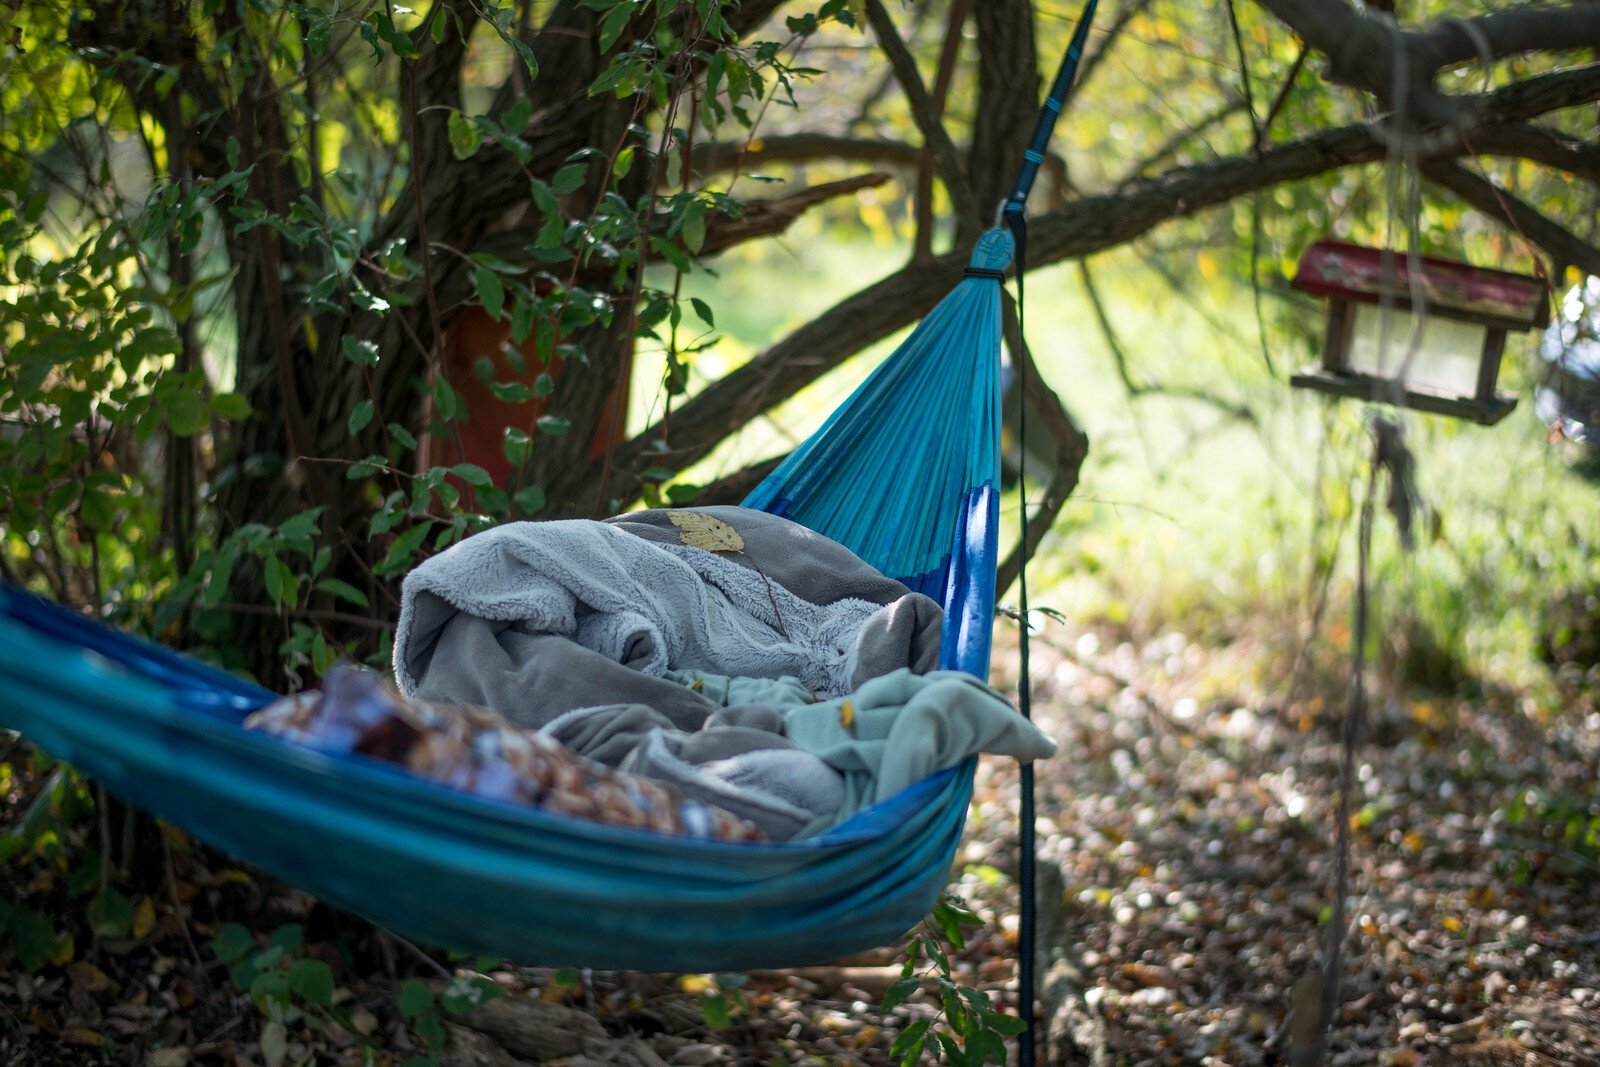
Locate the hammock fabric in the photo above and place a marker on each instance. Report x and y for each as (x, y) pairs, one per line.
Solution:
(904, 473)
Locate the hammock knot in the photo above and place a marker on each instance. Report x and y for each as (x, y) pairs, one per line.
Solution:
(992, 253)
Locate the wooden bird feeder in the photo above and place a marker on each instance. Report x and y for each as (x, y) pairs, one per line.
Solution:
(1466, 313)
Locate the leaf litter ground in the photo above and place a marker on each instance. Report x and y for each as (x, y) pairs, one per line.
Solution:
(1186, 837)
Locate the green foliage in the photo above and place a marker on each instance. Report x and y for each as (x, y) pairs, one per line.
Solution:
(968, 1030)
(131, 375)
(293, 989)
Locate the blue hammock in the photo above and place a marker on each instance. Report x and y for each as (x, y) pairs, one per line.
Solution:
(904, 473)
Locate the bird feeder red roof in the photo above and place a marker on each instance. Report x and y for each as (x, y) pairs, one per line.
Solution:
(1337, 269)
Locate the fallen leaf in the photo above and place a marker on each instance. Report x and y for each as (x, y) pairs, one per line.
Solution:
(87, 977)
(82, 1035)
(1148, 975)
(274, 1043)
(144, 918)
(698, 530)
(177, 1056)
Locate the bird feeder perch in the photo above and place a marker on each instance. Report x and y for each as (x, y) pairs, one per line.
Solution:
(1453, 367)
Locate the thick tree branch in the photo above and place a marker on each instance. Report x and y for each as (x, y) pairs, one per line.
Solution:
(1008, 99)
(1560, 242)
(1364, 51)
(1549, 147)
(934, 136)
(1081, 228)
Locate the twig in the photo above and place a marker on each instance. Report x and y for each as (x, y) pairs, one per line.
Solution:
(177, 905)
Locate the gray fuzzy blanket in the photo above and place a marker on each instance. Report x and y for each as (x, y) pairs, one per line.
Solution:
(572, 628)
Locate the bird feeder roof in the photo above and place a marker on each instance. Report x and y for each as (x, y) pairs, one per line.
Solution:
(1459, 290)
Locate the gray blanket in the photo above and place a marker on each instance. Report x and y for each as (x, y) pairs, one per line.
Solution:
(692, 666)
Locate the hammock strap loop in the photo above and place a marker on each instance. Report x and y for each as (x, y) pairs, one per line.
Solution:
(1033, 156)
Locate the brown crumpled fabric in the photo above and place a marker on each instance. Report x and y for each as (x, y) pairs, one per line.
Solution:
(477, 751)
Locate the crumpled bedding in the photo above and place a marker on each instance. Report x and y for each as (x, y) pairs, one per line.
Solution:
(785, 684)
(479, 752)
(628, 590)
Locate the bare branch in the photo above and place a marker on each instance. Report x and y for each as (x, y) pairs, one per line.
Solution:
(949, 52)
(1092, 60)
(1521, 216)
(1175, 143)
(768, 218)
(713, 156)
(923, 110)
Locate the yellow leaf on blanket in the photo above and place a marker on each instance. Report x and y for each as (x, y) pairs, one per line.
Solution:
(698, 530)
(847, 714)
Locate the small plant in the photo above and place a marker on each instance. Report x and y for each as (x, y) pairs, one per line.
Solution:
(294, 990)
(421, 1007)
(968, 1029)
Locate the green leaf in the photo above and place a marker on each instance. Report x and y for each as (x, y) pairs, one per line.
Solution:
(289, 937)
(515, 446)
(908, 1046)
(431, 1030)
(623, 164)
(269, 987)
(703, 309)
(33, 937)
(569, 178)
(415, 998)
(468, 991)
(361, 416)
(472, 474)
(110, 914)
(97, 509)
(231, 406)
(524, 50)
(554, 425)
(673, 255)
(1009, 1025)
(313, 980)
(611, 27)
(694, 226)
(358, 351)
(899, 992)
(465, 137)
(301, 527)
(530, 500)
(714, 1007)
(186, 413)
(232, 942)
(344, 591)
(491, 291)
(402, 436)
(404, 547)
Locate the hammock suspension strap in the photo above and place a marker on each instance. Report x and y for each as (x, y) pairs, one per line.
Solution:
(1014, 216)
